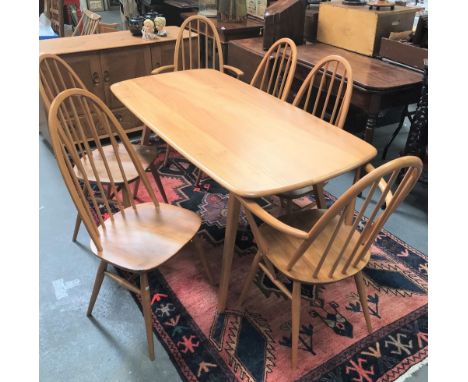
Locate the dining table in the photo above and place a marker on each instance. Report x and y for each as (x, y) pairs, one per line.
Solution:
(248, 141)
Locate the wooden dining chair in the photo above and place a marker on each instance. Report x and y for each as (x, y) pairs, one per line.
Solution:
(55, 76)
(199, 50)
(275, 73)
(326, 93)
(321, 246)
(196, 52)
(88, 24)
(133, 237)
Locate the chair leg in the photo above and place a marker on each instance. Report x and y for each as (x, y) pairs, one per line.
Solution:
(282, 202)
(203, 261)
(145, 135)
(319, 198)
(199, 176)
(250, 277)
(361, 288)
(289, 206)
(146, 303)
(404, 114)
(126, 197)
(135, 189)
(157, 178)
(166, 157)
(77, 226)
(295, 322)
(97, 286)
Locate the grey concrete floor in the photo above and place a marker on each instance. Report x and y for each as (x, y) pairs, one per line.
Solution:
(112, 345)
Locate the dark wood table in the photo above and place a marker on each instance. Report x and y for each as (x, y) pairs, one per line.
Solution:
(378, 85)
(234, 31)
(172, 9)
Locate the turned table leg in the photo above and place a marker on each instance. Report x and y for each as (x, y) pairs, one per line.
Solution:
(369, 138)
(370, 126)
(228, 250)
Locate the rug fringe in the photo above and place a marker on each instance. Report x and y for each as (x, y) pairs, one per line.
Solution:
(412, 370)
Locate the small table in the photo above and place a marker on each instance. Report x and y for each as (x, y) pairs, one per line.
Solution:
(377, 85)
(234, 133)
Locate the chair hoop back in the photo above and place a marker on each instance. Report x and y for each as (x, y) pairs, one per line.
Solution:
(204, 51)
(368, 230)
(349, 237)
(88, 24)
(275, 73)
(74, 115)
(55, 76)
(326, 82)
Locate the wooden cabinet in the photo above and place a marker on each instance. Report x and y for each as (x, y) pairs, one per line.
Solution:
(88, 67)
(122, 64)
(103, 59)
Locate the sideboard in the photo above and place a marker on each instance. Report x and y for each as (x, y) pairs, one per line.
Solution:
(103, 59)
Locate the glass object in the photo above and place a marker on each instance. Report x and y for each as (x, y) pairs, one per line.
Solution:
(234, 11)
(207, 8)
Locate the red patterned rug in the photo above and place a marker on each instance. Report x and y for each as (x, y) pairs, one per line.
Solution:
(254, 344)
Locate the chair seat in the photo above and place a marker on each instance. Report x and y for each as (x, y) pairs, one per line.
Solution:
(146, 154)
(294, 194)
(142, 239)
(300, 192)
(282, 247)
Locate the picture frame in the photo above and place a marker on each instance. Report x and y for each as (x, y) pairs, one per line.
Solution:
(96, 5)
(256, 8)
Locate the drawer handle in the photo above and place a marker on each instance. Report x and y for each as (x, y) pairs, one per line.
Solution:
(95, 78)
(119, 117)
(106, 76)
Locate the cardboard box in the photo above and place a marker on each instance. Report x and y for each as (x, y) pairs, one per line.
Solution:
(359, 29)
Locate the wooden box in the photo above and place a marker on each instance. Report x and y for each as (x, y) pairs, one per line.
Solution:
(403, 52)
(311, 24)
(284, 18)
(359, 29)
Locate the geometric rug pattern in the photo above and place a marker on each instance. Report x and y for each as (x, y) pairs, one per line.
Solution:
(253, 344)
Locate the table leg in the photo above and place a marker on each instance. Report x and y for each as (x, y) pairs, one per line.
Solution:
(350, 210)
(228, 250)
(370, 126)
(368, 137)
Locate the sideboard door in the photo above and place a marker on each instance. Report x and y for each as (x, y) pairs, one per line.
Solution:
(122, 64)
(88, 67)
